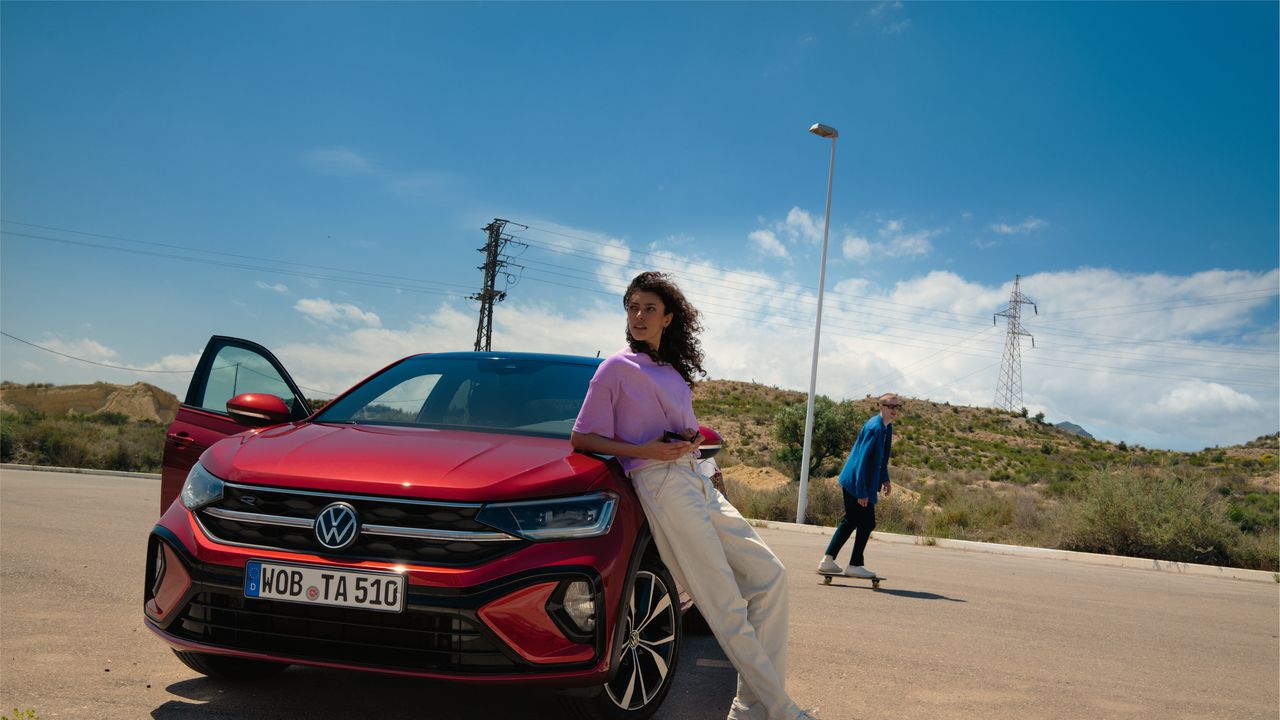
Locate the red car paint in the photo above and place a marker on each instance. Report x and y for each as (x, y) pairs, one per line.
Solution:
(490, 600)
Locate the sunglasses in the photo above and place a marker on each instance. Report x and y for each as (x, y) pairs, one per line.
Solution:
(892, 406)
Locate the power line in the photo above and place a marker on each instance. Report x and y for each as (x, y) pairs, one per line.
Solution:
(143, 370)
(950, 322)
(187, 249)
(91, 362)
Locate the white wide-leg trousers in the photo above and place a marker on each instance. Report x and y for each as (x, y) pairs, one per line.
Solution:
(737, 582)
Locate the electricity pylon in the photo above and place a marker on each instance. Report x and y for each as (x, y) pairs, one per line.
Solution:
(494, 261)
(1009, 385)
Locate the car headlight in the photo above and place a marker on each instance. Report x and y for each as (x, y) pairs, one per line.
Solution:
(557, 519)
(201, 488)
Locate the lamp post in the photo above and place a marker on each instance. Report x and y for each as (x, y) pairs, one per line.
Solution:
(825, 131)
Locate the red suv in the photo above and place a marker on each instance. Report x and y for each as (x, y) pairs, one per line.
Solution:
(431, 521)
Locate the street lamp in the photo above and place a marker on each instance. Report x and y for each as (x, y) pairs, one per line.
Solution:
(825, 131)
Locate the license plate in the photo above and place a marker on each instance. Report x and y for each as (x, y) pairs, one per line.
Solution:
(312, 585)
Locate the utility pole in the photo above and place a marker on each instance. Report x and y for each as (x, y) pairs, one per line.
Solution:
(494, 262)
(1009, 385)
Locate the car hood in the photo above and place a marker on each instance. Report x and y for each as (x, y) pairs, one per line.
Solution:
(412, 462)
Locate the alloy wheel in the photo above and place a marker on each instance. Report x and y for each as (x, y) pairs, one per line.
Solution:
(648, 643)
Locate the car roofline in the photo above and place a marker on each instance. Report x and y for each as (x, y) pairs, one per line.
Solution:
(545, 357)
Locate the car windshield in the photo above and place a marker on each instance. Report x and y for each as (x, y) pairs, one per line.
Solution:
(490, 394)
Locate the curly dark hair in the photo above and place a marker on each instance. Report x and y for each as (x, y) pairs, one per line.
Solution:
(680, 347)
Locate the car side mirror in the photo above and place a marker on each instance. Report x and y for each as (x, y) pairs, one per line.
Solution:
(258, 409)
(711, 443)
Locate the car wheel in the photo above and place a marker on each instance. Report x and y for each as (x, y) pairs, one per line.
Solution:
(226, 667)
(650, 650)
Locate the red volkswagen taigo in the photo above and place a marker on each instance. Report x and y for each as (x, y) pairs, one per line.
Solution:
(431, 521)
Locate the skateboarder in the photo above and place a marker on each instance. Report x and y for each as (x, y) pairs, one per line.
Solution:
(864, 475)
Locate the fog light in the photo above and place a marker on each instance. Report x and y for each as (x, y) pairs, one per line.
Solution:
(580, 605)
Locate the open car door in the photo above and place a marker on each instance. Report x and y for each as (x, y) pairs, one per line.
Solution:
(237, 385)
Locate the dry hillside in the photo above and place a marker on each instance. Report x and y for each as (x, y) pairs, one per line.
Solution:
(986, 443)
(139, 401)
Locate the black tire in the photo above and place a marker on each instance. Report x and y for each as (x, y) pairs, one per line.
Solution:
(226, 667)
(650, 651)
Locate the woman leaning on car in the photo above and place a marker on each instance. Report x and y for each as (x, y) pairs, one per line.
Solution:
(639, 408)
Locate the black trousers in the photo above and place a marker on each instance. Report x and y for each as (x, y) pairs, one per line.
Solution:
(856, 518)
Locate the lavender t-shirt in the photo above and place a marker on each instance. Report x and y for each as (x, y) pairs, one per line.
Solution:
(635, 400)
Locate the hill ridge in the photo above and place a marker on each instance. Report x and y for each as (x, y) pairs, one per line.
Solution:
(140, 401)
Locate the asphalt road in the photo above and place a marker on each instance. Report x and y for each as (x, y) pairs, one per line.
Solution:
(950, 634)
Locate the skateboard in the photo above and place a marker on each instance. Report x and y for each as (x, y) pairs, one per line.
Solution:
(827, 577)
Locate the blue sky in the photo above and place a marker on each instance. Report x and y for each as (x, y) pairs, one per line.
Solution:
(316, 177)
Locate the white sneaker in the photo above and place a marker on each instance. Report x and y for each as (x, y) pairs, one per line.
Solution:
(828, 567)
(738, 711)
(858, 571)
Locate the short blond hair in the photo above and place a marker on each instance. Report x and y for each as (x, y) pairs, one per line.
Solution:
(890, 399)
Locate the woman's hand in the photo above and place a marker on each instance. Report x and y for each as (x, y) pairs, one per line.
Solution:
(665, 451)
(655, 449)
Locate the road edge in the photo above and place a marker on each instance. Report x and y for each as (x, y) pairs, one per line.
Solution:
(1226, 573)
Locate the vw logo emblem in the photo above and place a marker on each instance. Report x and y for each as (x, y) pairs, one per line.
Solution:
(337, 526)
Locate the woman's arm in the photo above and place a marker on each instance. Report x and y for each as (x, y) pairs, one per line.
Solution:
(654, 449)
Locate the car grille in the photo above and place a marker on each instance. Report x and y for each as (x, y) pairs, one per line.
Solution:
(432, 639)
(394, 530)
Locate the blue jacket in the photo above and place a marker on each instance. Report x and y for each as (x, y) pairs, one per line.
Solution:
(868, 465)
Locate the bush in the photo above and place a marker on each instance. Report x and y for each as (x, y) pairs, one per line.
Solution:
(8, 442)
(96, 442)
(1256, 512)
(970, 513)
(1161, 516)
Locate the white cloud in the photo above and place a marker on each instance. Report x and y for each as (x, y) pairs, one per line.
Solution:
(277, 287)
(1142, 377)
(1201, 398)
(337, 161)
(182, 361)
(1181, 361)
(881, 7)
(856, 248)
(767, 242)
(892, 241)
(331, 313)
(799, 226)
(84, 348)
(881, 15)
(1026, 226)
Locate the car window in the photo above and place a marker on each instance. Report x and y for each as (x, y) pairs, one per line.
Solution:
(523, 395)
(402, 403)
(235, 371)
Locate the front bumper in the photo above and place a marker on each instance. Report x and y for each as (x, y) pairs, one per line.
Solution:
(497, 622)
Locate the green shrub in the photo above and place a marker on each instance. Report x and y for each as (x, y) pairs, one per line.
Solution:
(8, 442)
(96, 442)
(1141, 514)
(969, 513)
(1256, 512)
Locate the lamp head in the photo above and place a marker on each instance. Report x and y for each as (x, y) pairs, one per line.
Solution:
(825, 131)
